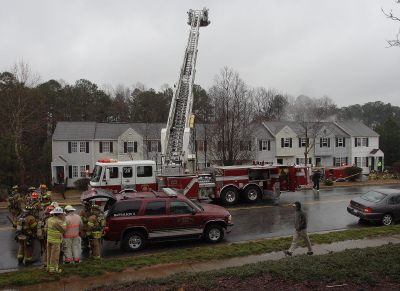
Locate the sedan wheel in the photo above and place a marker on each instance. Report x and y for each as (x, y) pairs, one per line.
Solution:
(387, 219)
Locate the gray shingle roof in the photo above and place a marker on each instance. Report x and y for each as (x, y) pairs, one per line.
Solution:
(74, 131)
(356, 128)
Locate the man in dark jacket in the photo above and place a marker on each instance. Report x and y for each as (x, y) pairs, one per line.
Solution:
(316, 178)
(300, 225)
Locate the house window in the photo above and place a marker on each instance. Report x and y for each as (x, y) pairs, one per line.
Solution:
(75, 171)
(286, 142)
(340, 161)
(82, 171)
(264, 145)
(361, 141)
(245, 145)
(303, 142)
(325, 142)
(130, 147)
(74, 147)
(106, 146)
(361, 161)
(340, 142)
(78, 147)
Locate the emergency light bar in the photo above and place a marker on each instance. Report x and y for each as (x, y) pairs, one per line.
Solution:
(108, 161)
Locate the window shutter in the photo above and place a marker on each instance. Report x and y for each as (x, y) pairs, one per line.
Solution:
(290, 141)
(346, 161)
(135, 147)
(367, 142)
(329, 142)
(87, 167)
(282, 145)
(310, 161)
(297, 161)
(159, 146)
(87, 147)
(125, 147)
(205, 145)
(320, 142)
(355, 161)
(101, 147)
(260, 145)
(337, 144)
(367, 162)
(69, 171)
(148, 146)
(355, 142)
(269, 145)
(344, 143)
(299, 144)
(334, 160)
(69, 147)
(111, 147)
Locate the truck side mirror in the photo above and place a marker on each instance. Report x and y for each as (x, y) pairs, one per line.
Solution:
(107, 174)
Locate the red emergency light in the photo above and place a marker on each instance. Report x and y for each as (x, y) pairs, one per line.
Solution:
(107, 161)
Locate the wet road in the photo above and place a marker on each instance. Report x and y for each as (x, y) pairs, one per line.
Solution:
(326, 211)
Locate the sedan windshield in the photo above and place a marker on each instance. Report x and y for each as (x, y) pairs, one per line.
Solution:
(373, 196)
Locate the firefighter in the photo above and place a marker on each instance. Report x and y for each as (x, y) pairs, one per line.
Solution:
(15, 204)
(35, 203)
(26, 233)
(85, 213)
(56, 228)
(96, 226)
(42, 234)
(46, 196)
(71, 241)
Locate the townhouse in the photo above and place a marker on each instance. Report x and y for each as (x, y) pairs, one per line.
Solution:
(77, 146)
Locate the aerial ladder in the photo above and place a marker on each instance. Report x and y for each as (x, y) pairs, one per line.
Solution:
(175, 138)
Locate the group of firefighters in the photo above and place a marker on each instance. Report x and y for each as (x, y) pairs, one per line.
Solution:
(61, 232)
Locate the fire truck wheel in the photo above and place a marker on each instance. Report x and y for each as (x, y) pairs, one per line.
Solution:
(214, 233)
(230, 196)
(252, 194)
(133, 242)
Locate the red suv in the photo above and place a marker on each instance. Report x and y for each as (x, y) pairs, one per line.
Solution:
(137, 217)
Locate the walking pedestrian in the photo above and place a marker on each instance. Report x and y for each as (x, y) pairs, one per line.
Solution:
(72, 242)
(300, 225)
(316, 178)
(56, 227)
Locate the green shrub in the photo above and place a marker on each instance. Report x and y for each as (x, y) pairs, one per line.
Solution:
(82, 184)
(328, 182)
(353, 173)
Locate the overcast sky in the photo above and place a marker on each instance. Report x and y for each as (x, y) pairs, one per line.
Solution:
(304, 47)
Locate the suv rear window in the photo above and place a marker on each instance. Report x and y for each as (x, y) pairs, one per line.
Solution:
(156, 207)
(128, 208)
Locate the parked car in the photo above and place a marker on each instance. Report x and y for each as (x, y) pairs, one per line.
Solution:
(135, 218)
(382, 205)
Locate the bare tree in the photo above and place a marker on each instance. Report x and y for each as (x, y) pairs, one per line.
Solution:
(233, 111)
(310, 114)
(390, 15)
(271, 105)
(21, 110)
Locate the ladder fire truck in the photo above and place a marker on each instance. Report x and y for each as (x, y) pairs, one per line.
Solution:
(175, 137)
(228, 183)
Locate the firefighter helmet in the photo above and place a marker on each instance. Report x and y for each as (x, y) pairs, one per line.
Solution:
(29, 208)
(35, 195)
(32, 189)
(69, 208)
(95, 207)
(43, 186)
(15, 188)
(57, 210)
(49, 209)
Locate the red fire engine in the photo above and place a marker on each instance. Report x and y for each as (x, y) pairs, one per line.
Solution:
(227, 183)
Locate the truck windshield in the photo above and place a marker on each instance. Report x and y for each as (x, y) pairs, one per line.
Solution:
(96, 173)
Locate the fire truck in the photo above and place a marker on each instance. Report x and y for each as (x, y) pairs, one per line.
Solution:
(226, 183)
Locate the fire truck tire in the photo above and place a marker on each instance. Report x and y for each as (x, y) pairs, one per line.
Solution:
(252, 194)
(133, 241)
(230, 196)
(214, 233)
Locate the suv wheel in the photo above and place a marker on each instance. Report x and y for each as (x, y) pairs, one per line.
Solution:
(214, 233)
(133, 242)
